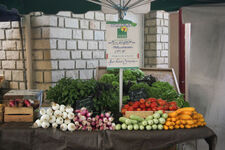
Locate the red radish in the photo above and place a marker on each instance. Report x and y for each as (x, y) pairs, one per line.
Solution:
(12, 103)
(27, 103)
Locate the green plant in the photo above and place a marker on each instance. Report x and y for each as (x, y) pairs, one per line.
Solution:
(139, 86)
(67, 90)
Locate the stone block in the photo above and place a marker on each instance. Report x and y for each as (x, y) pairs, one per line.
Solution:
(162, 66)
(80, 64)
(15, 24)
(77, 34)
(159, 14)
(111, 17)
(160, 60)
(5, 25)
(102, 63)
(43, 86)
(12, 34)
(36, 33)
(72, 74)
(42, 65)
(21, 85)
(95, 25)
(57, 75)
(103, 25)
(146, 30)
(78, 15)
(82, 44)
(102, 44)
(166, 60)
(166, 23)
(84, 24)
(9, 45)
(86, 54)
(99, 54)
(88, 34)
(7, 64)
(41, 44)
(61, 44)
(99, 35)
(99, 16)
(89, 15)
(54, 64)
(165, 30)
(151, 38)
(60, 54)
(60, 33)
(155, 46)
(8, 75)
(86, 74)
(61, 22)
(166, 15)
(92, 45)
(71, 44)
(164, 53)
(2, 55)
(66, 64)
(71, 23)
(12, 55)
(17, 75)
(64, 13)
(47, 76)
(164, 38)
(41, 21)
(2, 34)
(13, 85)
(76, 54)
(52, 43)
(150, 53)
(47, 54)
(149, 23)
(19, 65)
(37, 55)
(92, 63)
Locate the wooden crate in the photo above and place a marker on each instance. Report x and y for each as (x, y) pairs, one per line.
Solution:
(18, 114)
(166, 75)
(142, 114)
(1, 113)
(2, 79)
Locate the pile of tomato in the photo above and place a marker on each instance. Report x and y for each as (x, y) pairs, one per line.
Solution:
(150, 104)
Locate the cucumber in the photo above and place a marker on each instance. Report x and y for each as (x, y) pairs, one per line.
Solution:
(134, 117)
(122, 119)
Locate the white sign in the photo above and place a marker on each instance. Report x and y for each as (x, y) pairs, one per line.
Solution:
(122, 45)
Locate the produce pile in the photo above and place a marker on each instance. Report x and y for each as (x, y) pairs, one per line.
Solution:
(150, 104)
(63, 117)
(152, 122)
(19, 103)
(184, 118)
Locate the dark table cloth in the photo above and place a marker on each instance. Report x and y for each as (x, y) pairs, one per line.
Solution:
(22, 137)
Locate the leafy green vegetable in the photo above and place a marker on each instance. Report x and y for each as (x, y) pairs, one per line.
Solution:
(139, 86)
(67, 90)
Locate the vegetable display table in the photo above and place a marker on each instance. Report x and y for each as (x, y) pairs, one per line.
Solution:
(21, 137)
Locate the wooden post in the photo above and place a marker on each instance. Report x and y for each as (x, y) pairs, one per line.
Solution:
(121, 89)
(28, 46)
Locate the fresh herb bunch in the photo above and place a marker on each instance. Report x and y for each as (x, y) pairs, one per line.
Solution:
(68, 90)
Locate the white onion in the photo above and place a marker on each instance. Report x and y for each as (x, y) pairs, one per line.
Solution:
(54, 125)
(71, 127)
(45, 124)
(58, 113)
(63, 127)
(38, 122)
(35, 125)
(62, 108)
(67, 121)
(42, 111)
(59, 120)
(45, 118)
(49, 111)
(64, 115)
(70, 115)
(55, 106)
(52, 119)
(69, 109)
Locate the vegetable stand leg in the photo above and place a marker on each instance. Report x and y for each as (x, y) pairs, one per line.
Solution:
(121, 89)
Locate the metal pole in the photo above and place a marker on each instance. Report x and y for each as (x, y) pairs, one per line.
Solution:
(121, 89)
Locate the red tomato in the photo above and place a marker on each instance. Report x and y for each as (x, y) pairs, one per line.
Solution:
(126, 106)
(143, 109)
(152, 99)
(149, 109)
(147, 103)
(153, 104)
(130, 109)
(161, 102)
(154, 109)
(142, 106)
(135, 105)
(160, 108)
(138, 109)
(123, 110)
(142, 101)
(130, 103)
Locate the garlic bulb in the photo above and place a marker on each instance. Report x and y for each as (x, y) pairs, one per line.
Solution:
(38, 122)
(70, 115)
(57, 113)
(55, 106)
(59, 120)
(71, 127)
(49, 111)
(45, 124)
(64, 115)
(45, 118)
(42, 111)
(54, 125)
(63, 127)
(52, 119)
(62, 108)
(67, 121)
(69, 109)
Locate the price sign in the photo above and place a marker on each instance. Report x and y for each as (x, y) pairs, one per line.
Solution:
(122, 45)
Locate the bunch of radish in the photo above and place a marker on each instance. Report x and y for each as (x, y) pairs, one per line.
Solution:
(56, 116)
(19, 103)
(83, 120)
